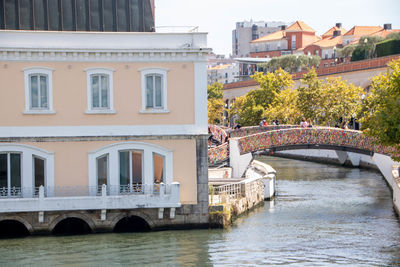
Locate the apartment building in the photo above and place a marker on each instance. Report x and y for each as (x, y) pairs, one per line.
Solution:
(102, 126)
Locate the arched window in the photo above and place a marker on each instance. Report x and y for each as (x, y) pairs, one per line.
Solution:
(130, 165)
(154, 90)
(23, 169)
(100, 90)
(38, 90)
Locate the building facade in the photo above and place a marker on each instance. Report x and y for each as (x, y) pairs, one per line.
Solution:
(103, 126)
(246, 31)
(226, 73)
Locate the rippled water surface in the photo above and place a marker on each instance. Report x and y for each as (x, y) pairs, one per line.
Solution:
(322, 215)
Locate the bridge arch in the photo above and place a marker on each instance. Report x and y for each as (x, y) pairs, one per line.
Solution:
(14, 226)
(133, 221)
(72, 223)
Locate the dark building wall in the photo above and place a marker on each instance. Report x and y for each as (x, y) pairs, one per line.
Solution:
(78, 15)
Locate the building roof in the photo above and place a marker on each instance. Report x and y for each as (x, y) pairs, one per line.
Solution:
(271, 37)
(220, 67)
(300, 26)
(363, 30)
(329, 33)
(383, 33)
(328, 42)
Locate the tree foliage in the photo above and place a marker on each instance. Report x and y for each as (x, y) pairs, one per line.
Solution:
(339, 99)
(215, 111)
(214, 91)
(251, 107)
(381, 111)
(292, 63)
(284, 108)
(310, 95)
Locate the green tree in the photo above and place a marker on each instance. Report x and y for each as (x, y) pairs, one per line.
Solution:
(251, 107)
(246, 110)
(214, 91)
(292, 63)
(284, 108)
(215, 111)
(339, 99)
(381, 111)
(347, 51)
(310, 94)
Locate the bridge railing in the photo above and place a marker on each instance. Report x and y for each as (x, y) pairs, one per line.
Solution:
(244, 131)
(218, 154)
(312, 136)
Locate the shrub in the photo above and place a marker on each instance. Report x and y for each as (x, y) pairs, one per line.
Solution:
(388, 47)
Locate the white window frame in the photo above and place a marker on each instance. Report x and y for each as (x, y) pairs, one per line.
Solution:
(39, 71)
(27, 167)
(163, 73)
(147, 163)
(100, 71)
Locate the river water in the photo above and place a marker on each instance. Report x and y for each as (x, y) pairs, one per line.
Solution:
(322, 215)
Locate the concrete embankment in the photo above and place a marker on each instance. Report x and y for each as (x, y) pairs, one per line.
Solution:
(229, 198)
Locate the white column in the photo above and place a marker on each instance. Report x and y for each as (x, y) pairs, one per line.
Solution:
(200, 97)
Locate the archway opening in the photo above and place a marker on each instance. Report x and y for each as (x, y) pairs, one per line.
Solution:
(12, 228)
(72, 226)
(131, 224)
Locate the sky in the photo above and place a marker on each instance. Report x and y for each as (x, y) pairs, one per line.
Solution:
(218, 17)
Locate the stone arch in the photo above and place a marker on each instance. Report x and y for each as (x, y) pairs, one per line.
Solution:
(20, 220)
(139, 214)
(62, 217)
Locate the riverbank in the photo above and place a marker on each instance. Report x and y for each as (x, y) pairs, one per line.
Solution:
(230, 198)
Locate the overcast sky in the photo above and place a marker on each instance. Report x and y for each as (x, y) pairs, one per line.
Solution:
(218, 17)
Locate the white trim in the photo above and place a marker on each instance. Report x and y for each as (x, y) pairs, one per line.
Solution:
(113, 156)
(100, 71)
(27, 179)
(164, 92)
(200, 90)
(39, 70)
(106, 130)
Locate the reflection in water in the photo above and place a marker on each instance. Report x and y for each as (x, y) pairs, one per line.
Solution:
(322, 215)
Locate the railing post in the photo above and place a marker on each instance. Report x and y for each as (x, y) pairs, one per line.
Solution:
(162, 190)
(41, 192)
(175, 192)
(103, 190)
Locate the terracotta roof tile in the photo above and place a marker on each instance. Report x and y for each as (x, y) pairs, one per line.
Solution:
(363, 30)
(300, 26)
(271, 37)
(329, 33)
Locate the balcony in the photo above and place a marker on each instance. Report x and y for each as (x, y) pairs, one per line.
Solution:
(89, 198)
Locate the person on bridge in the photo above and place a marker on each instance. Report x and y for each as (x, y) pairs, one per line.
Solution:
(309, 123)
(303, 123)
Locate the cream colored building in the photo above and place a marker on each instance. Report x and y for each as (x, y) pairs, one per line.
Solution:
(103, 122)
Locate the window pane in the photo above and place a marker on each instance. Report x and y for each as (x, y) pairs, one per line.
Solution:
(39, 171)
(136, 167)
(158, 166)
(104, 91)
(158, 91)
(95, 91)
(3, 170)
(43, 92)
(124, 168)
(149, 91)
(34, 92)
(15, 170)
(102, 170)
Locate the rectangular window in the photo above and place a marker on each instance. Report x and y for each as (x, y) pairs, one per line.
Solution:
(131, 170)
(293, 42)
(102, 170)
(10, 174)
(38, 91)
(158, 168)
(154, 91)
(38, 170)
(100, 91)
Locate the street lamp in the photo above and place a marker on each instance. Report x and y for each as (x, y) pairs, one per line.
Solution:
(365, 43)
